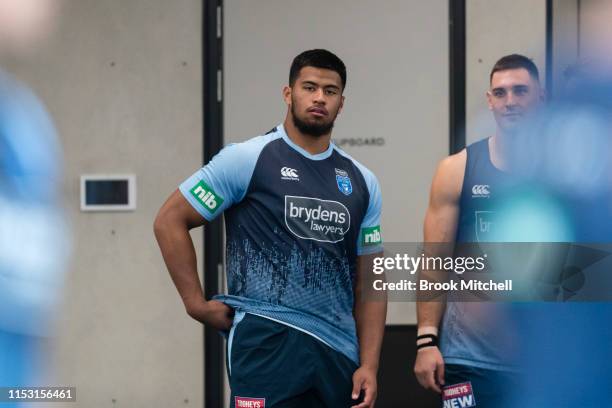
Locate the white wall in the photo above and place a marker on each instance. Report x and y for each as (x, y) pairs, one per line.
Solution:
(495, 28)
(123, 81)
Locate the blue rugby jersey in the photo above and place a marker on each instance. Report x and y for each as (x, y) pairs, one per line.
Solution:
(479, 334)
(295, 224)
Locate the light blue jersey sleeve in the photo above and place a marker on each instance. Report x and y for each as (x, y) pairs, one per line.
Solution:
(370, 238)
(224, 181)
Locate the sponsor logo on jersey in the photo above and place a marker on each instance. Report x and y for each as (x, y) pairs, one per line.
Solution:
(458, 396)
(480, 191)
(316, 219)
(371, 236)
(206, 196)
(484, 225)
(287, 173)
(344, 182)
(247, 402)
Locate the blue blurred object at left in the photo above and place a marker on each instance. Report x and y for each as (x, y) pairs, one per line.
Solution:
(33, 234)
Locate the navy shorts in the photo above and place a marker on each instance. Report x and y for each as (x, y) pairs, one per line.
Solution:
(272, 365)
(467, 386)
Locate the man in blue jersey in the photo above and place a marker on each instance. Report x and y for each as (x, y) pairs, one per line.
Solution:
(471, 363)
(303, 223)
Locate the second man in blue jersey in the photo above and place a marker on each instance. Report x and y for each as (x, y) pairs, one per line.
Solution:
(474, 365)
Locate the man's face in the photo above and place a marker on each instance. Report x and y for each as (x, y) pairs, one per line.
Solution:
(514, 96)
(314, 100)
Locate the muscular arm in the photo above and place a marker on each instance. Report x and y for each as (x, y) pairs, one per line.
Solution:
(370, 315)
(440, 227)
(172, 224)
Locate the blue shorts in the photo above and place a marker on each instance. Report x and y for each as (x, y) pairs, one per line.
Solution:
(272, 365)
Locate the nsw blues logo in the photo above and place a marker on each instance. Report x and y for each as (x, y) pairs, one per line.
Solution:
(344, 182)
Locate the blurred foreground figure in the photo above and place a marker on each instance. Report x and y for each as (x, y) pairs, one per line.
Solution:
(567, 346)
(33, 240)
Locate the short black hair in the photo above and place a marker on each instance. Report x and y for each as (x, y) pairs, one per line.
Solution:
(515, 61)
(317, 58)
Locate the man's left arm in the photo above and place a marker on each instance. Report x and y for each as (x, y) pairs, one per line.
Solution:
(370, 313)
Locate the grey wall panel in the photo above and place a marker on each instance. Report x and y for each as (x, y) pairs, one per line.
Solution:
(495, 28)
(123, 81)
(595, 31)
(396, 54)
(565, 40)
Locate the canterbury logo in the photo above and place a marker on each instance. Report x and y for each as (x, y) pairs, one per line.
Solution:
(480, 190)
(289, 173)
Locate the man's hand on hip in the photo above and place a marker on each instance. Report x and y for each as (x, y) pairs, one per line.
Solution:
(213, 313)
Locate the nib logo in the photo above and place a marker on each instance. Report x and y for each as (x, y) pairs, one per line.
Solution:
(371, 236)
(206, 196)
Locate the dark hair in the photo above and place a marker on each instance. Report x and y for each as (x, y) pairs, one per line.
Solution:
(515, 61)
(318, 58)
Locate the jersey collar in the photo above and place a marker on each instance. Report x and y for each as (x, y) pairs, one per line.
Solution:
(319, 156)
